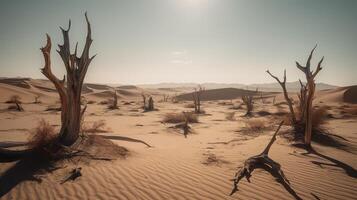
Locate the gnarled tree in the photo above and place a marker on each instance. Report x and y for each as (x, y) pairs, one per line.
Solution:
(70, 88)
(303, 122)
(309, 95)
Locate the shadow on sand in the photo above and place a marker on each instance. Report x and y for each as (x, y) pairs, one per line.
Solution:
(27, 169)
(349, 170)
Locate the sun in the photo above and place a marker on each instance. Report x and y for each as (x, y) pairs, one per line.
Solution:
(193, 2)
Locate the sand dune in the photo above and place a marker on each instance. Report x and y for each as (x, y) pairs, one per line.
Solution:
(221, 94)
(177, 167)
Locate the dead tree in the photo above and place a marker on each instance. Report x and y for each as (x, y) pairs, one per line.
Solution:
(263, 161)
(262, 98)
(144, 100)
(150, 106)
(114, 105)
(286, 96)
(69, 90)
(165, 98)
(70, 94)
(16, 100)
(274, 100)
(196, 96)
(310, 88)
(302, 100)
(248, 101)
(37, 100)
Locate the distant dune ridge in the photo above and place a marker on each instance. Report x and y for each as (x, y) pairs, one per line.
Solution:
(271, 87)
(213, 91)
(221, 94)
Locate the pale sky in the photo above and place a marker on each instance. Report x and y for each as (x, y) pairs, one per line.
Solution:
(153, 41)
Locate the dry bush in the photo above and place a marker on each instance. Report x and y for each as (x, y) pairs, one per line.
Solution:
(175, 118)
(95, 127)
(350, 110)
(91, 102)
(190, 105)
(104, 102)
(14, 99)
(42, 136)
(263, 113)
(237, 107)
(256, 124)
(12, 107)
(230, 116)
(319, 117)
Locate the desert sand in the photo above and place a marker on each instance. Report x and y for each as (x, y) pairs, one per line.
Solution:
(197, 167)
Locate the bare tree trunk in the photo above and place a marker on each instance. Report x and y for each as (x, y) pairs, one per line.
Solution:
(197, 99)
(286, 96)
(248, 101)
(144, 101)
(310, 78)
(151, 104)
(70, 95)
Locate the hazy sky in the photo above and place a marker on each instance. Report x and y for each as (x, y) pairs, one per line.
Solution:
(152, 41)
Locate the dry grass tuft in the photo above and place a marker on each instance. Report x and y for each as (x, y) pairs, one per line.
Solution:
(42, 136)
(256, 124)
(175, 118)
(95, 127)
(230, 116)
(350, 110)
(319, 117)
(14, 99)
(190, 105)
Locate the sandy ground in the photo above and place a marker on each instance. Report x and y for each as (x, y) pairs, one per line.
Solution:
(177, 167)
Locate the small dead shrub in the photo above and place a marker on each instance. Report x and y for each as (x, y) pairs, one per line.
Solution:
(263, 113)
(190, 105)
(236, 107)
(175, 118)
(14, 99)
(350, 110)
(42, 136)
(230, 116)
(256, 124)
(319, 117)
(95, 127)
(103, 102)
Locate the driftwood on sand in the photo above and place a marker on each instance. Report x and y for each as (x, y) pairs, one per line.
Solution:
(263, 161)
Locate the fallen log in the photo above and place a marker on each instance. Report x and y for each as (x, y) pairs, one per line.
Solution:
(263, 161)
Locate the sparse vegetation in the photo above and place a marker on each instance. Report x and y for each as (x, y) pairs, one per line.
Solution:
(15, 99)
(37, 100)
(95, 127)
(248, 101)
(175, 118)
(303, 120)
(148, 105)
(230, 116)
(256, 124)
(114, 102)
(42, 137)
(196, 96)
